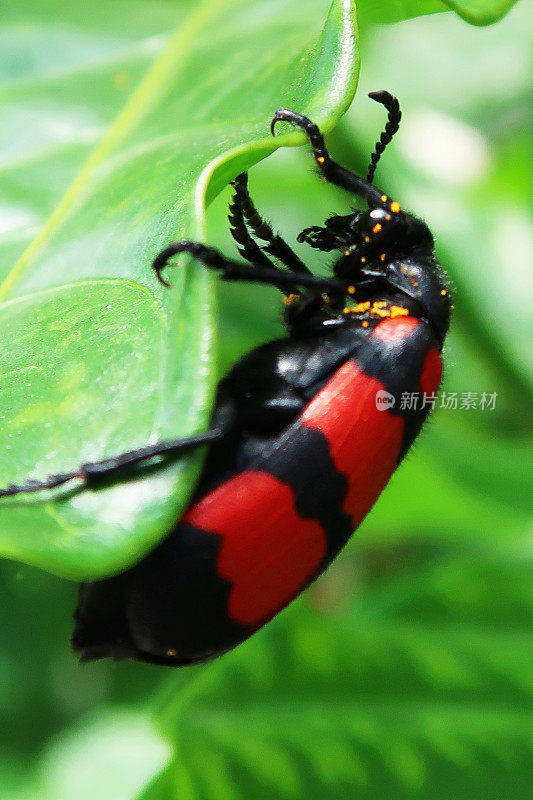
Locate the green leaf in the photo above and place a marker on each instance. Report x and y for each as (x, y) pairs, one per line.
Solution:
(476, 12)
(100, 359)
(481, 12)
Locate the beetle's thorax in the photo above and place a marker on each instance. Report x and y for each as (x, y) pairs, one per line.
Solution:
(387, 268)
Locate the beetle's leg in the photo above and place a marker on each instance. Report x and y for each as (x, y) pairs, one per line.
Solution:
(323, 239)
(93, 471)
(393, 123)
(235, 271)
(242, 208)
(247, 246)
(331, 171)
(336, 234)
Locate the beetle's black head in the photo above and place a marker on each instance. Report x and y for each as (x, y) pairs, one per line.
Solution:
(382, 235)
(422, 281)
(397, 247)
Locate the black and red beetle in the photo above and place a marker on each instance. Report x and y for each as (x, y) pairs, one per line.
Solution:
(300, 447)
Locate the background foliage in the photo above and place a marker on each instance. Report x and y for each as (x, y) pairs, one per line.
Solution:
(405, 672)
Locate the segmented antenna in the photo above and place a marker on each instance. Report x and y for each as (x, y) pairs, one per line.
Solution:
(393, 123)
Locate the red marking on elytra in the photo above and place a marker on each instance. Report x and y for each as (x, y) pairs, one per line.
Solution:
(431, 374)
(364, 442)
(393, 330)
(268, 551)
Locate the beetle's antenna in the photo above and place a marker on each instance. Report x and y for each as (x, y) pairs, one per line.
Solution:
(393, 123)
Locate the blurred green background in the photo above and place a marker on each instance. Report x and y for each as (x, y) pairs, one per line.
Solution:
(406, 670)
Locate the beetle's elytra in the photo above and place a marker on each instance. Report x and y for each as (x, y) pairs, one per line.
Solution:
(299, 446)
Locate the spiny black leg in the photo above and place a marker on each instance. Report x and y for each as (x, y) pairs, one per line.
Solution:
(337, 233)
(317, 237)
(97, 470)
(331, 171)
(235, 271)
(276, 246)
(320, 238)
(247, 247)
(35, 485)
(327, 238)
(393, 123)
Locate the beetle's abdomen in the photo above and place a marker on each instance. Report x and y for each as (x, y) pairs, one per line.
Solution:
(283, 521)
(267, 550)
(280, 523)
(249, 546)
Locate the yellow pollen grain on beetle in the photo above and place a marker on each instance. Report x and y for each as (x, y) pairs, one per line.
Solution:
(379, 308)
(350, 290)
(388, 217)
(320, 159)
(443, 292)
(346, 252)
(367, 239)
(398, 311)
(172, 652)
(363, 260)
(360, 308)
(383, 198)
(377, 227)
(395, 207)
(382, 257)
(364, 324)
